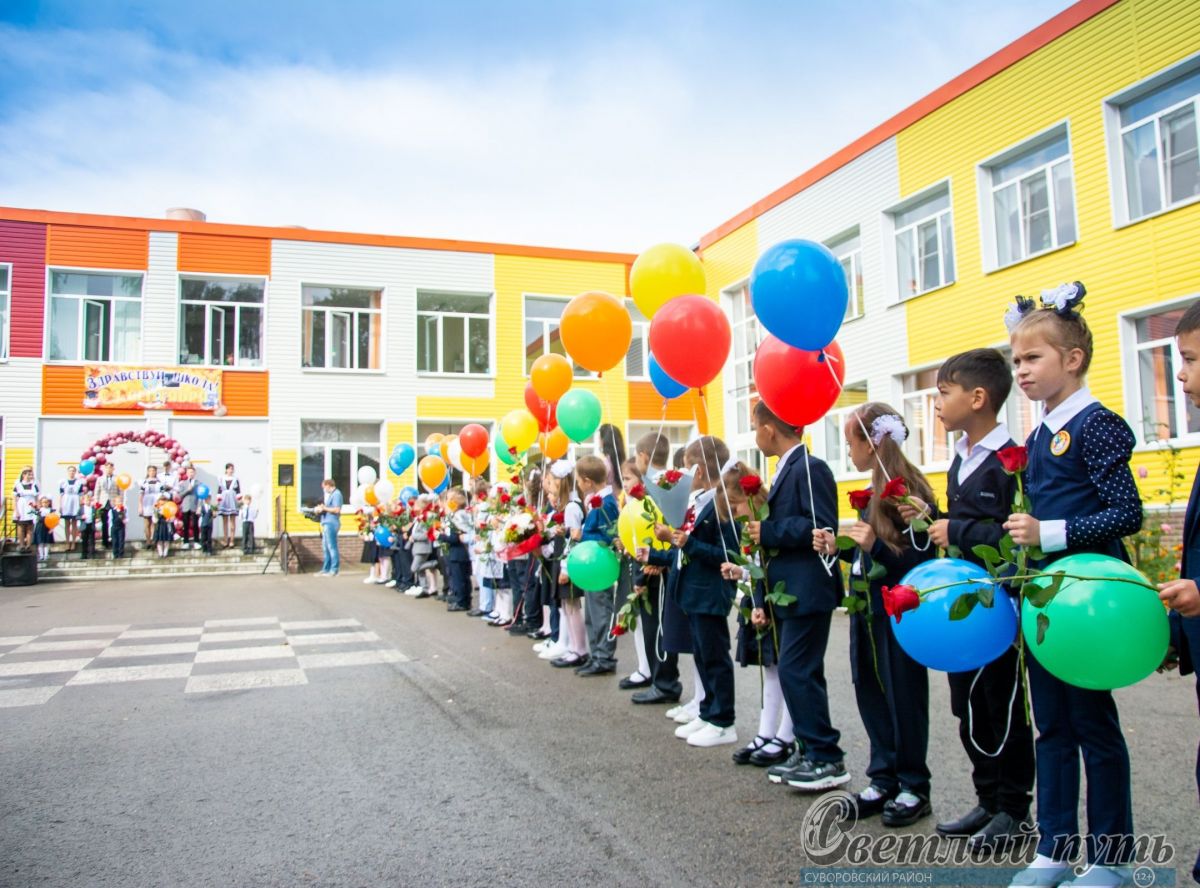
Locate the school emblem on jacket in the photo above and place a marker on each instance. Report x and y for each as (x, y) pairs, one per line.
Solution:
(1060, 443)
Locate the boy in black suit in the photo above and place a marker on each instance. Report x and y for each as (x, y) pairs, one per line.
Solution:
(817, 762)
(972, 387)
(458, 559)
(1182, 595)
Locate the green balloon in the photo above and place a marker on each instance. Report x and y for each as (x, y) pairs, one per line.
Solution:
(593, 567)
(502, 452)
(578, 414)
(1102, 634)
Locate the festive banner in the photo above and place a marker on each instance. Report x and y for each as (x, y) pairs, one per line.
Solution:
(113, 387)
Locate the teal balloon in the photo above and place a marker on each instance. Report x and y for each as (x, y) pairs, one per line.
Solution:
(501, 448)
(403, 456)
(593, 567)
(87, 467)
(1103, 633)
(578, 414)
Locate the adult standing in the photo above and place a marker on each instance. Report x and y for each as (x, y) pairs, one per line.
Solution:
(107, 494)
(229, 492)
(25, 498)
(330, 511)
(69, 507)
(185, 489)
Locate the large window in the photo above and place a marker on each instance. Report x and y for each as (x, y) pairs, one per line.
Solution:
(542, 315)
(924, 243)
(1160, 167)
(637, 358)
(740, 389)
(929, 443)
(95, 316)
(221, 322)
(848, 250)
(5, 310)
(1033, 199)
(836, 453)
(1161, 411)
(342, 327)
(678, 433)
(335, 450)
(454, 333)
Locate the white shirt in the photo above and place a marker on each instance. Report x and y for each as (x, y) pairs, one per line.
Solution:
(973, 457)
(783, 459)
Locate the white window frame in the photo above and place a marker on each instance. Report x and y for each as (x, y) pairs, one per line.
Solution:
(1130, 351)
(6, 318)
(237, 326)
(839, 460)
(1115, 133)
(740, 440)
(546, 331)
(641, 331)
(353, 446)
(924, 460)
(466, 317)
(330, 312)
(649, 425)
(850, 256)
(82, 318)
(892, 234)
(989, 190)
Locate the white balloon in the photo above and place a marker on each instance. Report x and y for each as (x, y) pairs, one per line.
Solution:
(454, 454)
(385, 490)
(359, 497)
(367, 475)
(256, 491)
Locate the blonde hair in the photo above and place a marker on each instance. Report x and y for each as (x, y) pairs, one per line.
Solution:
(1063, 331)
(710, 453)
(732, 482)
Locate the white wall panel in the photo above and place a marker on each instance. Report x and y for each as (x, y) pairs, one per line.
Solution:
(160, 301)
(20, 400)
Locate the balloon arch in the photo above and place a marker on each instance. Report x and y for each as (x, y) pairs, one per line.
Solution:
(98, 454)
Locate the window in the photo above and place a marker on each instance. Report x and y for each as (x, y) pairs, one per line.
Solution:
(1157, 129)
(929, 443)
(342, 327)
(924, 244)
(679, 434)
(335, 450)
(1033, 199)
(637, 359)
(222, 322)
(836, 455)
(5, 310)
(541, 331)
(1163, 413)
(848, 250)
(95, 316)
(740, 389)
(454, 333)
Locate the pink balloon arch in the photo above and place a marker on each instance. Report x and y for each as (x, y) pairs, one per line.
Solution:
(102, 449)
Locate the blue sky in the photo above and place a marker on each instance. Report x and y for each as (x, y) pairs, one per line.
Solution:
(596, 125)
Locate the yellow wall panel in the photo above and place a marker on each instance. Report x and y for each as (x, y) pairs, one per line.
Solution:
(15, 459)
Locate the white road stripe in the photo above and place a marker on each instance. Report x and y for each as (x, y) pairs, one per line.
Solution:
(313, 624)
(242, 621)
(43, 667)
(16, 639)
(27, 696)
(332, 638)
(236, 681)
(248, 635)
(350, 658)
(150, 650)
(87, 630)
(116, 674)
(72, 645)
(230, 655)
(161, 633)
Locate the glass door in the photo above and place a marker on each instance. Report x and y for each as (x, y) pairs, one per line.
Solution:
(216, 335)
(95, 330)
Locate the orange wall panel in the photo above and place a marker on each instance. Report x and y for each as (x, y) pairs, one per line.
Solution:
(244, 393)
(224, 254)
(86, 247)
(62, 393)
(646, 405)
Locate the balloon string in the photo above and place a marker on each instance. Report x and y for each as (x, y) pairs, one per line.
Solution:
(827, 561)
(720, 481)
(912, 537)
(1008, 725)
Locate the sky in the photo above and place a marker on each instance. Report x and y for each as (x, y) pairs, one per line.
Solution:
(590, 125)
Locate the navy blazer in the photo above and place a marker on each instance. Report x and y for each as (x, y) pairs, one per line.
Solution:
(697, 586)
(600, 524)
(788, 531)
(1185, 631)
(456, 549)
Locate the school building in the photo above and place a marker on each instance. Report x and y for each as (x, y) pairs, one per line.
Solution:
(1071, 154)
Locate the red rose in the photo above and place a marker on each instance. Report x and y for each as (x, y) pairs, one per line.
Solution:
(896, 487)
(747, 550)
(751, 484)
(505, 499)
(558, 518)
(521, 501)
(481, 496)
(899, 599)
(673, 475)
(432, 536)
(596, 502)
(1014, 459)
(618, 629)
(638, 491)
(860, 499)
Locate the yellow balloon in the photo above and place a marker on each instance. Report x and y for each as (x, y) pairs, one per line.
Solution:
(663, 272)
(475, 466)
(519, 429)
(369, 495)
(431, 470)
(635, 530)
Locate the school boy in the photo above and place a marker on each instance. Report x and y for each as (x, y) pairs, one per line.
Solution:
(458, 559)
(600, 525)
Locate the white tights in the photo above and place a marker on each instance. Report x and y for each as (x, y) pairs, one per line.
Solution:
(774, 720)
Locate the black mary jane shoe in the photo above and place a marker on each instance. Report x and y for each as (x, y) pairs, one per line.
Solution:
(898, 815)
(871, 807)
(742, 756)
(774, 752)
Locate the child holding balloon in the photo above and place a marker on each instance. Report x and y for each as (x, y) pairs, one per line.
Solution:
(599, 525)
(164, 528)
(43, 531)
(1083, 499)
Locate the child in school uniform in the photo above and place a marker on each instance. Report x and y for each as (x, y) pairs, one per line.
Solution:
(204, 520)
(87, 527)
(164, 528)
(455, 536)
(43, 533)
(248, 515)
(573, 627)
(424, 560)
(69, 491)
(599, 525)
(26, 496)
(631, 574)
(890, 687)
(151, 490)
(229, 488)
(115, 515)
(972, 388)
(1084, 499)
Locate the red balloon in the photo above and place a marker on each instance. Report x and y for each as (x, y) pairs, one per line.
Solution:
(690, 338)
(798, 386)
(473, 439)
(543, 411)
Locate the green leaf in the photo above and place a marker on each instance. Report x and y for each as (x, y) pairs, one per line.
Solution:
(765, 512)
(745, 612)
(963, 605)
(1038, 595)
(756, 572)
(877, 572)
(860, 585)
(989, 555)
(1043, 623)
(848, 602)
(742, 519)
(844, 543)
(1006, 547)
(780, 588)
(919, 525)
(1018, 502)
(772, 552)
(953, 552)
(1036, 553)
(987, 594)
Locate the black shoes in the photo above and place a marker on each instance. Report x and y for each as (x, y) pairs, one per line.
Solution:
(476, 612)
(773, 753)
(632, 684)
(570, 661)
(654, 695)
(742, 756)
(453, 608)
(813, 776)
(967, 825)
(1001, 832)
(897, 814)
(594, 668)
(869, 807)
(780, 772)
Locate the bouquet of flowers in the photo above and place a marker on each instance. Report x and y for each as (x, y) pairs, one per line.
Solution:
(522, 535)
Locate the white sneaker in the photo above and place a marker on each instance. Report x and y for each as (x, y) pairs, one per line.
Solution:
(542, 645)
(553, 652)
(687, 714)
(412, 590)
(711, 735)
(1041, 876)
(674, 711)
(686, 730)
(368, 581)
(381, 582)
(391, 584)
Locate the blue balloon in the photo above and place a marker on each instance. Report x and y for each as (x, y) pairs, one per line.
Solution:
(444, 485)
(664, 384)
(87, 467)
(202, 491)
(403, 456)
(406, 494)
(930, 637)
(383, 536)
(799, 293)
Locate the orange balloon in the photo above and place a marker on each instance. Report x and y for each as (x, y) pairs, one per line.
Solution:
(554, 443)
(432, 442)
(551, 376)
(169, 510)
(596, 331)
(475, 466)
(370, 496)
(432, 471)
(444, 447)
(124, 481)
(51, 521)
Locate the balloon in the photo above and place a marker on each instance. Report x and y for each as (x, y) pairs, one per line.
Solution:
(798, 386)
(519, 429)
(358, 498)
(664, 384)
(86, 467)
(124, 481)
(503, 453)
(542, 411)
(593, 567)
(383, 536)
(407, 493)
(635, 531)
(402, 457)
(579, 414)
(51, 521)
(432, 471)
(370, 497)
(663, 272)
(367, 475)
(256, 490)
(596, 331)
(554, 443)
(384, 490)
(550, 376)
(475, 466)
(1103, 633)
(432, 442)
(443, 449)
(690, 338)
(930, 637)
(474, 439)
(444, 485)
(799, 293)
(454, 454)
(202, 491)
(169, 509)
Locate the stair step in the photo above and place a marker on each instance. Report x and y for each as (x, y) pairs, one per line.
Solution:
(52, 575)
